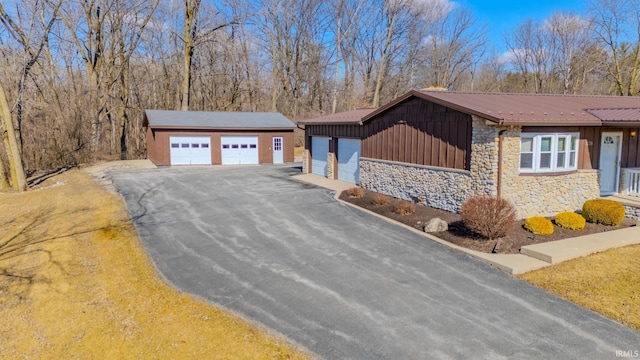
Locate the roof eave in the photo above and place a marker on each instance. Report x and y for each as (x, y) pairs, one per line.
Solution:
(183, 127)
(356, 122)
(621, 123)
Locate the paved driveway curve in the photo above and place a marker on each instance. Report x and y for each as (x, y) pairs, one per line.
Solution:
(343, 283)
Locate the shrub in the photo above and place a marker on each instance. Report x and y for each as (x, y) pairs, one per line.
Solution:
(488, 216)
(603, 211)
(570, 220)
(355, 192)
(539, 225)
(379, 199)
(404, 207)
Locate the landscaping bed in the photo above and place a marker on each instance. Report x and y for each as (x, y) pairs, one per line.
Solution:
(460, 235)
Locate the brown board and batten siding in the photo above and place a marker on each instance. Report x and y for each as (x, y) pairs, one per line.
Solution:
(419, 132)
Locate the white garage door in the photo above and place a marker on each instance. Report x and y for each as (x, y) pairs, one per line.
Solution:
(319, 151)
(348, 160)
(239, 150)
(190, 150)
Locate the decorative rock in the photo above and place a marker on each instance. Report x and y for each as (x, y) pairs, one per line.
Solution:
(436, 225)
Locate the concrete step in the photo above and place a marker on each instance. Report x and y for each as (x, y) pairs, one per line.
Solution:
(512, 263)
(557, 251)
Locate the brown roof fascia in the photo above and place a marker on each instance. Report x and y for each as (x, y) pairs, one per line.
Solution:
(221, 128)
(425, 96)
(330, 122)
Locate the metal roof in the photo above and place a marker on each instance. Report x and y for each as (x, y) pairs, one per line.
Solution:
(532, 109)
(345, 117)
(216, 119)
(616, 115)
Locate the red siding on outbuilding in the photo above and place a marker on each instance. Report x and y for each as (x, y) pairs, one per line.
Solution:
(158, 143)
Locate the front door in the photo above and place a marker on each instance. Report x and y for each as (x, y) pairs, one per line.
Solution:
(277, 150)
(610, 149)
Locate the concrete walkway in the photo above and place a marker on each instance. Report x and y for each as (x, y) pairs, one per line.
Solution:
(531, 257)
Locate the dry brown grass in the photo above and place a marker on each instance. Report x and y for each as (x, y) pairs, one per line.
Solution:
(404, 207)
(297, 151)
(75, 283)
(606, 283)
(379, 199)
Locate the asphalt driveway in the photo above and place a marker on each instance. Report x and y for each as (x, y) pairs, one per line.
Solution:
(343, 283)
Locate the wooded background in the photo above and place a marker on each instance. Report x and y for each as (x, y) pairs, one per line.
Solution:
(78, 74)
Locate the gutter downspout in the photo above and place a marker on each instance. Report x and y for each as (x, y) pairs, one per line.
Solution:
(500, 141)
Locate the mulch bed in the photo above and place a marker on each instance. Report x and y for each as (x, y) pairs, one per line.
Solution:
(460, 235)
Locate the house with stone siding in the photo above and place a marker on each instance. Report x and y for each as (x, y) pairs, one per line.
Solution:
(544, 153)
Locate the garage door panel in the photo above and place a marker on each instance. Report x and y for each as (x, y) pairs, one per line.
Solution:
(319, 152)
(349, 160)
(190, 150)
(239, 150)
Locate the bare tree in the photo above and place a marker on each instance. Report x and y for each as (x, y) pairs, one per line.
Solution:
(617, 27)
(190, 31)
(454, 46)
(568, 37)
(18, 178)
(528, 47)
(33, 38)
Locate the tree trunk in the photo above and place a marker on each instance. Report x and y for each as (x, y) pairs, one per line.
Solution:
(18, 179)
(191, 8)
(4, 181)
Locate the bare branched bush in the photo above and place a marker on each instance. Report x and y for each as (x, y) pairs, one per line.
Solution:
(488, 216)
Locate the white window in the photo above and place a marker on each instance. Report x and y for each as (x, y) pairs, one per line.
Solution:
(541, 153)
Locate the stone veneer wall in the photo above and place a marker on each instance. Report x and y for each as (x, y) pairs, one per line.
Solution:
(632, 212)
(305, 161)
(331, 169)
(436, 187)
(447, 189)
(534, 195)
(441, 188)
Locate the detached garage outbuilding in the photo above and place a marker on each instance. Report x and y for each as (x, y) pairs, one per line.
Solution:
(218, 138)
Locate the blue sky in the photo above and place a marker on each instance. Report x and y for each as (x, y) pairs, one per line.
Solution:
(503, 15)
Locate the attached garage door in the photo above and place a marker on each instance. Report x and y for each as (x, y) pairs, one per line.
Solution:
(319, 151)
(348, 160)
(239, 150)
(190, 150)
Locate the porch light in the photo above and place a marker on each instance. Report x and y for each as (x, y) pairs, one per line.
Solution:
(633, 133)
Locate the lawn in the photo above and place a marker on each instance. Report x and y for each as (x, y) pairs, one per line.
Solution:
(76, 283)
(605, 282)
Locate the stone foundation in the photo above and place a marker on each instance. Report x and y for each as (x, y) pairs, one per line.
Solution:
(306, 168)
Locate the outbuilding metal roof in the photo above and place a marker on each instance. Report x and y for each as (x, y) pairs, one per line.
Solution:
(345, 117)
(216, 119)
(533, 109)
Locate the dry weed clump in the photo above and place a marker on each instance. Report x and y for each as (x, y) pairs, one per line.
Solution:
(379, 199)
(404, 207)
(356, 192)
